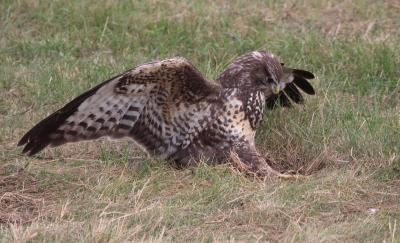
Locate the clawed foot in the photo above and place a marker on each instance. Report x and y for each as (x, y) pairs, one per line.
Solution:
(262, 169)
(269, 172)
(295, 177)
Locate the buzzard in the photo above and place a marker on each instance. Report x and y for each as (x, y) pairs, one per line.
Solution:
(174, 112)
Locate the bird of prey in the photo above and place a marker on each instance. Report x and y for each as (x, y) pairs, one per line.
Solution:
(174, 112)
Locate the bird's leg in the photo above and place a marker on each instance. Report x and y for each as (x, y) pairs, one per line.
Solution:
(265, 170)
(248, 159)
(251, 162)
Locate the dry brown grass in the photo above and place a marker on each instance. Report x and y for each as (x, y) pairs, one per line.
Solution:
(346, 138)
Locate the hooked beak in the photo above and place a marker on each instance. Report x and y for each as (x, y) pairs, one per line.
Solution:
(276, 90)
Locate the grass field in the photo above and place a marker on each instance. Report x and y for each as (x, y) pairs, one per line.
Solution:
(346, 138)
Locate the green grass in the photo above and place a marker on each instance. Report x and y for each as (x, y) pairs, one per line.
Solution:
(346, 137)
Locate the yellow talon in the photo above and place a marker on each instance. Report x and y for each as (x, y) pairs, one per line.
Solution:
(287, 176)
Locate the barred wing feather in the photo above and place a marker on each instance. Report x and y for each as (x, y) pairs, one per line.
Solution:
(161, 105)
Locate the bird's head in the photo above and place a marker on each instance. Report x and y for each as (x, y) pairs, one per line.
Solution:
(258, 70)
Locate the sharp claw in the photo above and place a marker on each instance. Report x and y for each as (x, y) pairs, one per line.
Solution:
(286, 176)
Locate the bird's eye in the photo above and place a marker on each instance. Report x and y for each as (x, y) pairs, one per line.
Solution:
(271, 82)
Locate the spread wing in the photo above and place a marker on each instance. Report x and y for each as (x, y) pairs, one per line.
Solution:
(294, 79)
(161, 105)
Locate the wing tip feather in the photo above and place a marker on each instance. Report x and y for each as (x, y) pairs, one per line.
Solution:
(304, 73)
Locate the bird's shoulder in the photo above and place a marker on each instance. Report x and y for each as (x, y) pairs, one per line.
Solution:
(175, 74)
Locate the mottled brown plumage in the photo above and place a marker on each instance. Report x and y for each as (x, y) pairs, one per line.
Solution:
(172, 111)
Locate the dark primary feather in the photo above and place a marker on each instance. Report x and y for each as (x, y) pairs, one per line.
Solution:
(277, 100)
(35, 137)
(303, 73)
(293, 93)
(300, 80)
